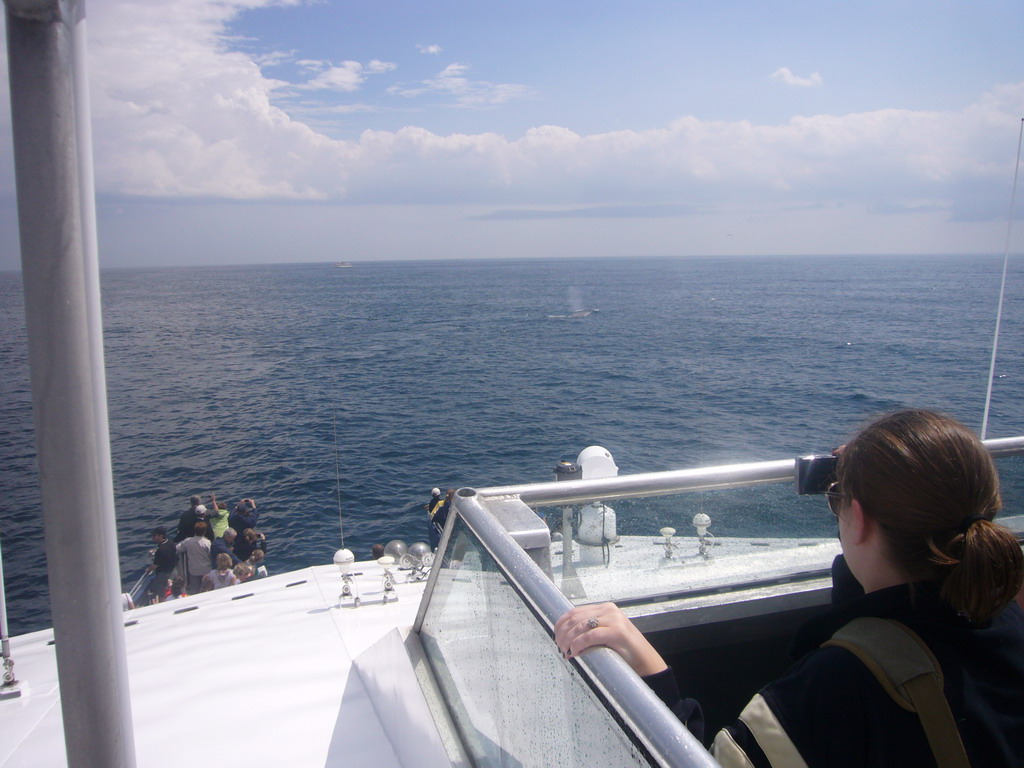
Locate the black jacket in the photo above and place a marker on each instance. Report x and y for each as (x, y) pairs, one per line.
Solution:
(833, 712)
(165, 557)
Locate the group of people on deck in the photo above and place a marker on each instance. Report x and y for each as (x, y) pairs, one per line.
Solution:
(212, 548)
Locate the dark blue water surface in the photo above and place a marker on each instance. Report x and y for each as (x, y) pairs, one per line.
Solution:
(231, 379)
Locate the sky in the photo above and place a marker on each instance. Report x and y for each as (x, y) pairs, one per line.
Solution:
(268, 131)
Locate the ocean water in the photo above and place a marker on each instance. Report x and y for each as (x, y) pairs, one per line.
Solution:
(302, 384)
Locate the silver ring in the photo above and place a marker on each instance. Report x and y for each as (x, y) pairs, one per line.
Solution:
(592, 622)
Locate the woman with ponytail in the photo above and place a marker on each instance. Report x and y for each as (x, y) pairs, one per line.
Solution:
(931, 488)
(915, 500)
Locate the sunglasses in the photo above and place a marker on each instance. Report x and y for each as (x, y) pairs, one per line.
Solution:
(834, 498)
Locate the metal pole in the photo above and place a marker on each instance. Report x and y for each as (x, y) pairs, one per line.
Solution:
(8, 682)
(571, 584)
(1002, 287)
(68, 388)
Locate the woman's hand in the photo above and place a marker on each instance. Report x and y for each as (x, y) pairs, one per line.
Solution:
(588, 625)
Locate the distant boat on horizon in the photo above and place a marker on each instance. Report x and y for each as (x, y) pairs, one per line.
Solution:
(343, 264)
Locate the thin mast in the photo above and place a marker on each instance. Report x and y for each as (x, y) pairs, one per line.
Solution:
(49, 112)
(1002, 287)
(337, 476)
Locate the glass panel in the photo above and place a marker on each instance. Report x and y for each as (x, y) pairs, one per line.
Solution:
(1011, 486)
(757, 533)
(514, 699)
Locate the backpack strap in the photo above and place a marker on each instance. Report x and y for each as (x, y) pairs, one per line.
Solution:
(910, 674)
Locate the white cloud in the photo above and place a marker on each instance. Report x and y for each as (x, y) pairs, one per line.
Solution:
(345, 77)
(453, 81)
(784, 75)
(273, 58)
(178, 115)
(430, 49)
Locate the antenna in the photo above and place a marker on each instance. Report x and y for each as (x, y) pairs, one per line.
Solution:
(1002, 286)
(337, 475)
(702, 406)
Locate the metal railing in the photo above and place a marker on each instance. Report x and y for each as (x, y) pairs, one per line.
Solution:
(646, 720)
(647, 483)
(513, 546)
(678, 481)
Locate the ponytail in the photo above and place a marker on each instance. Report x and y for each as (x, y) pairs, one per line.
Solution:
(987, 572)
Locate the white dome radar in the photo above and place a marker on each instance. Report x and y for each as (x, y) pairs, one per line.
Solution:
(344, 558)
(596, 462)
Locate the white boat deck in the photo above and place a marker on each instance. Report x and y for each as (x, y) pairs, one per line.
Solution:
(277, 671)
(282, 677)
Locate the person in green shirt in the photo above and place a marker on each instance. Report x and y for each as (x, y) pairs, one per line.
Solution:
(217, 517)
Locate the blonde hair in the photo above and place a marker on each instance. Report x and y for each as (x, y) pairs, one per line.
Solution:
(243, 571)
